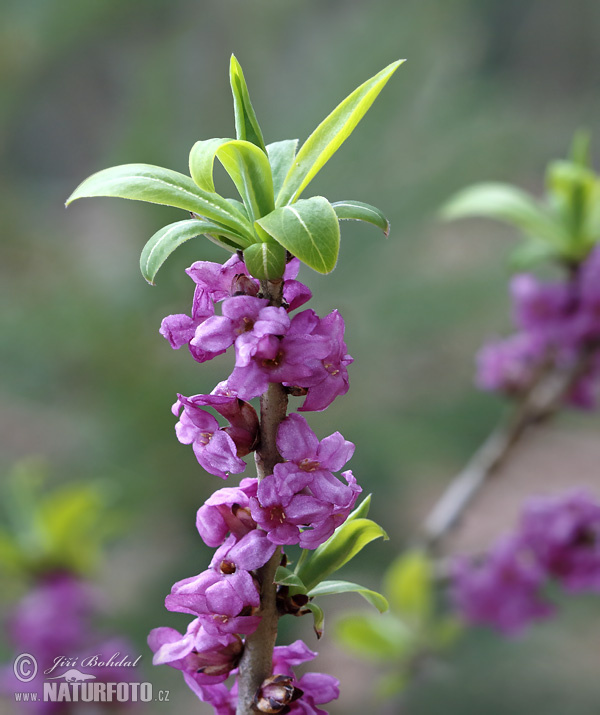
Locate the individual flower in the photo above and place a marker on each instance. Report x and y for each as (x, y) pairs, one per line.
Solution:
(331, 379)
(240, 316)
(206, 657)
(225, 596)
(281, 509)
(215, 450)
(294, 359)
(510, 365)
(298, 444)
(227, 511)
(243, 427)
(179, 329)
(564, 534)
(504, 590)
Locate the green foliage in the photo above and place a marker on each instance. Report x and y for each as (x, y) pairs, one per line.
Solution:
(373, 637)
(44, 530)
(308, 230)
(167, 239)
(359, 211)
(415, 628)
(409, 586)
(265, 261)
(562, 228)
(333, 131)
(328, 588)
(347, 541)
(246, 123)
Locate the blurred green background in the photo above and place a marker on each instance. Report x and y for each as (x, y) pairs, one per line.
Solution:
(492, 89)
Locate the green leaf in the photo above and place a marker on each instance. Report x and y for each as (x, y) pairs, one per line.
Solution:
(143, 182)
(358, 211)
(201, 161)
(285, 577)
(318, 616)
(381, 638)
(327, 138)
(530, 253)
(247, 166)
(327, 588)
(250, 171)
(347, 541)
(246, 124)
(165, 241)
(265, 261)
(505, 203)
(281, 156)
(309, 230)
(409, 586)
(362, 510)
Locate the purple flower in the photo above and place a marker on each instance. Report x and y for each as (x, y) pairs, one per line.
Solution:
(216, 280)
(298, 444)
(510, 365)
(294, 359)
(538, 306)
(240, 315)
(225, 596)
(281, 509)
(564, 534)
(332, 377)
(503, 591)
(227, 510)
(317, 688)
(215, 450)
(295, 293)
(206, 657)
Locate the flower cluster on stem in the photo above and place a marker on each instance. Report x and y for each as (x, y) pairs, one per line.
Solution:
(296, 497)
(557, 540)
(557, 322)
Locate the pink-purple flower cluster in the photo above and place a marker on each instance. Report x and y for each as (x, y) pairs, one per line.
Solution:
(556, 323)
(301, 502)
(557, 540)
(55, 619)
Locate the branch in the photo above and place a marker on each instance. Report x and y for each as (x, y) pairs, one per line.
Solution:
(541, 402)
(257, 661)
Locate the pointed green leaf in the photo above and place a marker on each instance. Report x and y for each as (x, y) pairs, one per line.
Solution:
(327, 588)
(165, 241)
(246, 124)
(382, 638)
(327, 138)
(409, 586)
(530, 253)
(318, 616)
(250, 171)
(265, 261)
(285, 577)
(143, 182)
(309, 230)
(281, 156)
(347, 541)
(202, 159)
(358, 211)
(362, 510)
(505, 203)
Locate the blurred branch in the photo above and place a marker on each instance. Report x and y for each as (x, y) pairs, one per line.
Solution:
(541, 402)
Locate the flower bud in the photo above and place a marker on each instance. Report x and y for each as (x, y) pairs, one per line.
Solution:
(275, 695)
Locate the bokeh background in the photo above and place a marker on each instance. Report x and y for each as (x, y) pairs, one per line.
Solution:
(492, 89)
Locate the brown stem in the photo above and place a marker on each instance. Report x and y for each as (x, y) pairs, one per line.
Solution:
(542, 402)
(257, 661)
